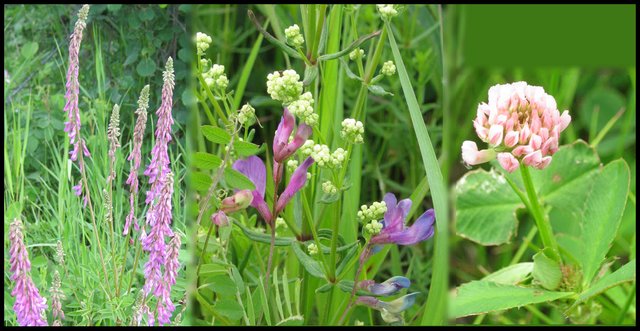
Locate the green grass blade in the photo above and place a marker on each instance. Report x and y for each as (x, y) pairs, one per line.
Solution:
(434, 312)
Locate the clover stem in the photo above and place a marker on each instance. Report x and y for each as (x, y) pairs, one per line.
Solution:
(542, 222)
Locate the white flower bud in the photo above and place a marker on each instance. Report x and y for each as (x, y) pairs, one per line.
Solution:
(388, 68)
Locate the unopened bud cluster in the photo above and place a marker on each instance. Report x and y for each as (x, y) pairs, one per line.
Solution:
(313, 249)
(246, 115)
(388, 68)
(329, 188)
(374, 212)
(373, 228)
(322, 154)
(294, 37)
(303, 108)
(352, 131)
(202, 42)
(357, 53)
(215, 78)
(285, 87)
(387, 11)
(292, 165)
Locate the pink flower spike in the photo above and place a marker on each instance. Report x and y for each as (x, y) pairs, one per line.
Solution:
(471, 155)
(508, 162)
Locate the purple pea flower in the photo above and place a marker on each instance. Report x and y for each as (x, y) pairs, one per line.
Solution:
(165, 306)
(29, 305)
(388, 287)
(282, 148)
(394, 230)
(391, 310)
(254, 169)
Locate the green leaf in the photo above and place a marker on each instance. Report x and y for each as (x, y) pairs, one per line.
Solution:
(479, 297)
(486, 208)
(146, 68)
(228, 308)
(378, 90)
(626, 273)
(325, 288)
(223, 285)
(237, 278)
(263, 237)
(603, 211)
(546, 270)
(351, 47)
(511, 275)
(350, 73)
(312, 266)
(310, 73)
(215, 134)
(329, 198)
(206, 161)
(199, 181)
(237, 180)
(244, 148)
(29, 50)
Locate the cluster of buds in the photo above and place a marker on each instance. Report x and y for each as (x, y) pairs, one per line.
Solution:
(246, 115)
(322, 154)
(373, 212)
(312, 249)
(215, 78)
(374, 227)
(293, 35)
(357, 53)
(387, 12)
(352, 131)
(239, 201)
(388, 68)
(521, 123)
(280, 223)
(292, 165)
(329, 188)
(285, 87)
(202, 42)
(303, 108)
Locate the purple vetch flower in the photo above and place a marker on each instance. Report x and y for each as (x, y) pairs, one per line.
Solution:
(159, 218)
(135, 157)
(282, 148)
(77, 189)
(391, 310)
(394, 230)
(159, 166)
(298, 179)
(29, 305)
(72, 126)
(255, 170)
(219, 218)
(388, 287)
(165, 306)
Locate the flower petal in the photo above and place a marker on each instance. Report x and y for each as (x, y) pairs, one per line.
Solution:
(254, 169)
(422, 229)
(390, 286)
(298, 179)
(302, 134)
(281, 138)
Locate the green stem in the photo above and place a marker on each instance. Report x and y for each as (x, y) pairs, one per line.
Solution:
(542, 222)
(135, 265)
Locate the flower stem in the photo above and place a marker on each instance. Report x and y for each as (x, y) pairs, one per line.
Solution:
(542, 222)
(363, 259)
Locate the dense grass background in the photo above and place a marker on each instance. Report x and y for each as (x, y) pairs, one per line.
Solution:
(388, 161)
(593, 97)
(123, 49)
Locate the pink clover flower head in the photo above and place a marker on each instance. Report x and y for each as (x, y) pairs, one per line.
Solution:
(521, 123)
